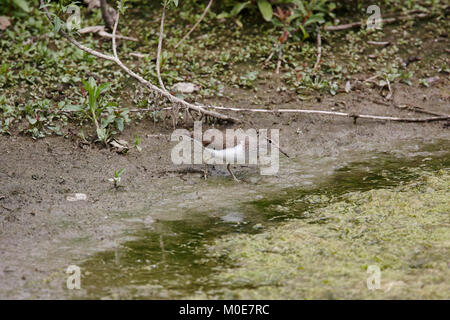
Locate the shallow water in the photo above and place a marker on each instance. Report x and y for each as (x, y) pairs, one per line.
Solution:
(170, 259)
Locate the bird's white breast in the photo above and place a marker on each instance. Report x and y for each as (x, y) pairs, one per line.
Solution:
(228, 155)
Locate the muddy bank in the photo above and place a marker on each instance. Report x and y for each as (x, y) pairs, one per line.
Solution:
(42, 233)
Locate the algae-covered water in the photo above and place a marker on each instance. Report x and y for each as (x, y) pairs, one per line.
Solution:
(386, 218)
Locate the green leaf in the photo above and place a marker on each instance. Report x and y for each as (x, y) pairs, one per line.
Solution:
(293, 17)
(106, 121)
(316, 18)
(238, 8)
(104, 87)
(305, 34)
(119, 122)
(102, 135)
(301, 7)
(22, 4)
(88, 86)
(223, 15)
(58, 24)
(31, 120)
(92, 83)
(72, 107)
(266, 9)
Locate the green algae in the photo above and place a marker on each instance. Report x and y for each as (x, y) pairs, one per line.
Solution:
(404, 231)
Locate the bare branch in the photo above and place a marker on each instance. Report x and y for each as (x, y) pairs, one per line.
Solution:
(158, 55)
(319, 50)
(339, 114)
(196, 24)
(74, 42)
(277, 70)
(114, 34)
(105, 34)
(100, 30)
(384, 21)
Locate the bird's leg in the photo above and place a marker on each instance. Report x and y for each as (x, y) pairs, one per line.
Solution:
(205, 171)
(229, 170)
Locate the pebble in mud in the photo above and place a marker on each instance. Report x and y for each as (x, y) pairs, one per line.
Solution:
(77, 197)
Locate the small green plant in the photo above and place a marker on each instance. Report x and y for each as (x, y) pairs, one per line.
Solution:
(102, 113)
(117, 177)
(96, 107)
(137, 142)
(424, 83)
(248, 79)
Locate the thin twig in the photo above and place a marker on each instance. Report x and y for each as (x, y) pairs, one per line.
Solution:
(150, 109)
(196, 24)
(319, 50)
(158, 55)
(379, 43)
(418, 110)
(114, 34)
(384, 21)
(105, 34)
(340, 114)
(389, 95)
(404, 107)
(100, 30)
(268, 59)
(277, 71)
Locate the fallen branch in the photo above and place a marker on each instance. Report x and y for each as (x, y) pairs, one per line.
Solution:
(339, 114)
(158, 55)
(100, 30)
(105, 34)
(268, 59)
(319, 50)
(196, 24)
(149, 109)
(148, 85)
(384, 21)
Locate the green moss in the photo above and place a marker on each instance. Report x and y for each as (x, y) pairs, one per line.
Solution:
(404, 231)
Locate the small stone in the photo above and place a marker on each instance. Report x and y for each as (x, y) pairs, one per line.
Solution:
(77, 197)
(185, 87)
